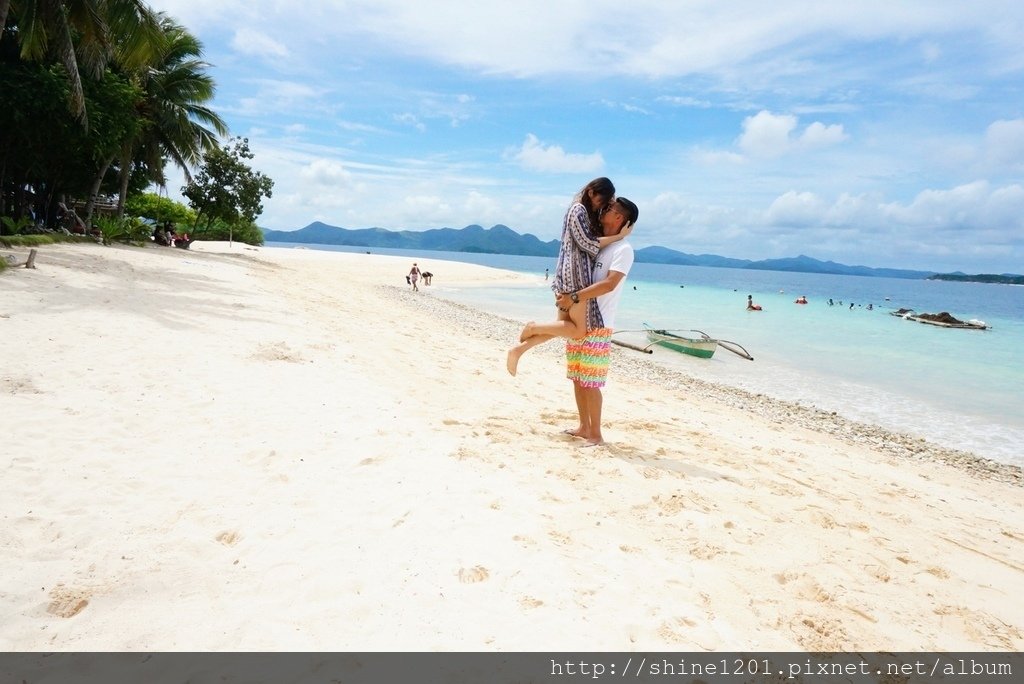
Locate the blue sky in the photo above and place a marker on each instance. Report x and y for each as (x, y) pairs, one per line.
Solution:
(876, 133)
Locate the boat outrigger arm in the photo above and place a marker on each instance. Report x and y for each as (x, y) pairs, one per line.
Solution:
(734, 347)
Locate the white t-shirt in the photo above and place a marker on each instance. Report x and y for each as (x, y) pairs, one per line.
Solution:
(617, 256)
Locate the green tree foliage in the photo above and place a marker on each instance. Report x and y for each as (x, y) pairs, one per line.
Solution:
(152, 206)
(176, 123)
(227, 189)
(42, 145)
(249, 233)
(82, 36)
(141, 81)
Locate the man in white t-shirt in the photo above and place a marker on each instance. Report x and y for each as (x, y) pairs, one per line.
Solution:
(587, 358)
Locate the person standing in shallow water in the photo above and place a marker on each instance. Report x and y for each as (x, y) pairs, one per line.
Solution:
(581, 241)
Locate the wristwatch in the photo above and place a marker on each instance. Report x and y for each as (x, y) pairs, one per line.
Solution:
(575, 297)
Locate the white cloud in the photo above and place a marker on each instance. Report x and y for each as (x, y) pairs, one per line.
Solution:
(534, 156)
(820, 135)
(357, 127)
(1004, 143)
(327, 173)
(797, 209)
(410, 120)
(624, 106)
(973, 205)
(251, 42)
(427, 208)
(481, 207)
(772, 135)
(766, 134)
(682, 101)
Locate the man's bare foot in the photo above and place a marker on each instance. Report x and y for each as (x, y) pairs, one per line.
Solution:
(527, 332)
(512, 360)
(573, 432)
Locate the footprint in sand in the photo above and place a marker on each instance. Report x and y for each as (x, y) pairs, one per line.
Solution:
(528, 603)
(785, 577)
(559, 538)
(18, 385)
(68, 603)
(473, 575)
(818, 634)
(229, 538)
(879, 572)
(690, 630)
(704, 551)
(277, 351)
(809, 590)
(984, 628)
(823, 519)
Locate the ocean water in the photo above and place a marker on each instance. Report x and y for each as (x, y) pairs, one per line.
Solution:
(959, 388)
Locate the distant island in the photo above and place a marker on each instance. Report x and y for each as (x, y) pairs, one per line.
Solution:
(501, 239)
(1004, 279)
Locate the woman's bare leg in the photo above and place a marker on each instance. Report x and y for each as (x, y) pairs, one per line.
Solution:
(571, 324)
(516, 352)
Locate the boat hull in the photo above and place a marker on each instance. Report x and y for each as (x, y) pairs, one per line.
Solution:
(941, 324)
(703, 348)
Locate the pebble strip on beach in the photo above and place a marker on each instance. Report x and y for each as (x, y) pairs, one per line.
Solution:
(504, 331)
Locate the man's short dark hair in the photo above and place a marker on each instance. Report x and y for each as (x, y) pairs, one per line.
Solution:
(629, 209)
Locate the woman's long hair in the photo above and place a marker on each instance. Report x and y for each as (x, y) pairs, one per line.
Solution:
(599, 186)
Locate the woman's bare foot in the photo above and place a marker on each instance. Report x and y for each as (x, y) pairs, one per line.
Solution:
(527, 332)
(512, 360)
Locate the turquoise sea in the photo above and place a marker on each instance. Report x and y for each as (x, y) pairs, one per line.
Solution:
(959, 388)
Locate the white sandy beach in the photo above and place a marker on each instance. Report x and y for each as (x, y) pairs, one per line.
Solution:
(268, 449)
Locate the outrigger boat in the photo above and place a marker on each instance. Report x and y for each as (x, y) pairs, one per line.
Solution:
(942, 320)
(702, 347)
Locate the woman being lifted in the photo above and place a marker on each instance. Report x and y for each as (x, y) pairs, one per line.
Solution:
(581, 241)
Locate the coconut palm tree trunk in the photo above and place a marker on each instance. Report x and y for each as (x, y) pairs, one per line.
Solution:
(126, 174)
(5, 5)
(95, 190)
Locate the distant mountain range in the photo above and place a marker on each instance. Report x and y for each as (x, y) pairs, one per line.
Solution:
(503, 240)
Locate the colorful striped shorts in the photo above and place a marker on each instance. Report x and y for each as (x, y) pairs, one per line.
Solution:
(587, 358)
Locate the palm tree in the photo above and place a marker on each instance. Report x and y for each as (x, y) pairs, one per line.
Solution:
(177, 124)
(83, 35)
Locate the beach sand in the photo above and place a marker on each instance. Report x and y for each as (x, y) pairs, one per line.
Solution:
(234, 448)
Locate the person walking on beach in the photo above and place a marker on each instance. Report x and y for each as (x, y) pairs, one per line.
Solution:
(414, 275)
(581, 241)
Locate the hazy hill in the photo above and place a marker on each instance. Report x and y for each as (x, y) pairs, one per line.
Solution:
(496, 240)
(503, 240)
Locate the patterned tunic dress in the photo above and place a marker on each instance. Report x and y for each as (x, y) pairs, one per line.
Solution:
(575, 268)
